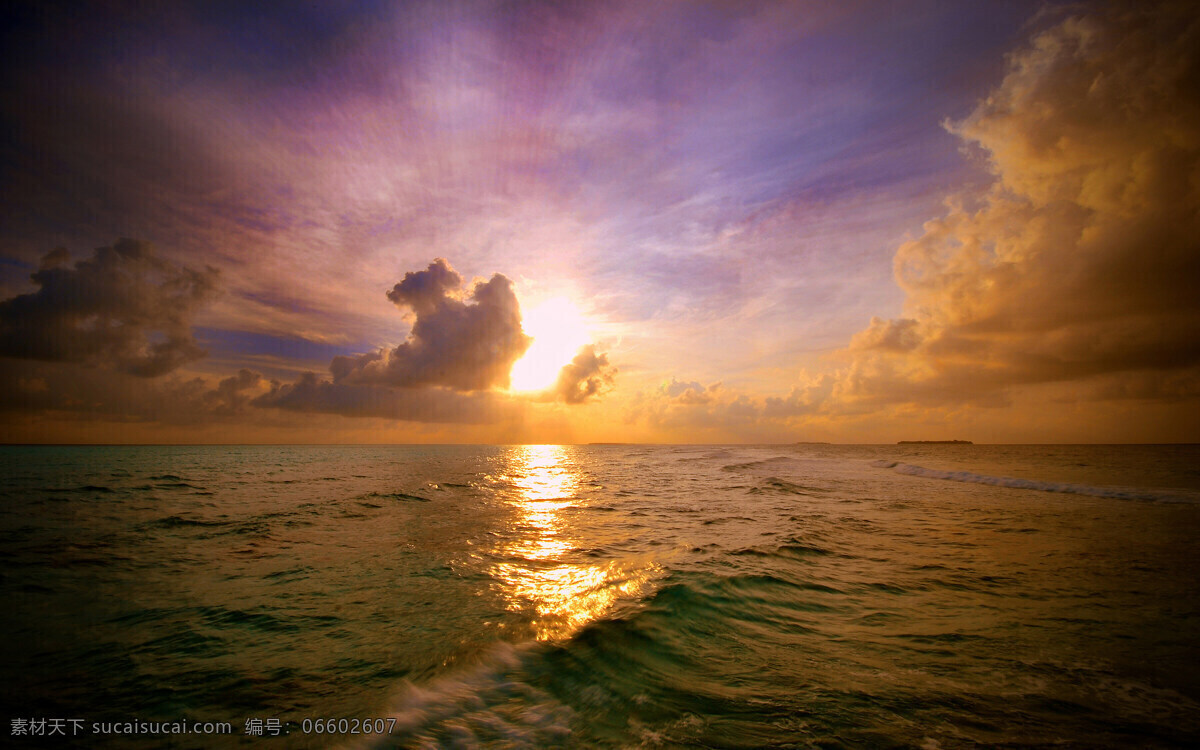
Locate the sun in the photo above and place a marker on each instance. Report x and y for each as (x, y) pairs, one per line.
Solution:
(558, 330)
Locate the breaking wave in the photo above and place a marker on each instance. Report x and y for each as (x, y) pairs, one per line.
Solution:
(1124, 493)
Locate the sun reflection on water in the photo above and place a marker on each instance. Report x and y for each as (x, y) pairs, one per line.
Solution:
(538, 569)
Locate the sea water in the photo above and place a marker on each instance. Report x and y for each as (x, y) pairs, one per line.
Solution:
(926, 596)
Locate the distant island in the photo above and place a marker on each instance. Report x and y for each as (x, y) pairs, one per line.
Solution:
(935, 442)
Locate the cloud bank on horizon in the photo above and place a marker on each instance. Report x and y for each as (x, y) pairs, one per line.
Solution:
(715, 232)
(127, 312)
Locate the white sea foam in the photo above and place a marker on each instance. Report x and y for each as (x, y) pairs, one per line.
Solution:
(1124, 493)
(479, 706)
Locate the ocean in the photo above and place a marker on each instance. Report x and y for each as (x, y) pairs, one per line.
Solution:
(610, 596)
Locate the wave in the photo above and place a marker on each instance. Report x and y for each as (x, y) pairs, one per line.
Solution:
(402, 496)
(760, 462)
(179, 485)
(490, 703)
(86, 489)
(793, 549)
(170, 522)
(1124, 493)
(685, 645)
(775, 484)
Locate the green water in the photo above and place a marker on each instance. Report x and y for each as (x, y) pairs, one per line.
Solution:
(605, 596)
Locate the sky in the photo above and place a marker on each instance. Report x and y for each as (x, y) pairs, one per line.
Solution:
(524, 222)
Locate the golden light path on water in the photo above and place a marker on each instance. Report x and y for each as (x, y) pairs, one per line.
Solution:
(565, 593)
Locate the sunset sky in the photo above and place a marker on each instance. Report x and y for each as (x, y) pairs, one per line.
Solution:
(697, 221)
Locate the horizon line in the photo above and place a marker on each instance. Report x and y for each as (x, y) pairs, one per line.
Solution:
(593, 444)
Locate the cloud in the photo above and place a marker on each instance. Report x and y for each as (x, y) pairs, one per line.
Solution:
(586, 376)
(1080, 261)
(888, 335)
(461, 347)
(234, 394)
(124, 308)
(431, 404)
(687, 410)
(690, 393)
(461, 342)
(80, 391)
(803, 400)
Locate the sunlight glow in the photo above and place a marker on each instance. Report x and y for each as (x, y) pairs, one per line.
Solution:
(558, 330)
(540, 570)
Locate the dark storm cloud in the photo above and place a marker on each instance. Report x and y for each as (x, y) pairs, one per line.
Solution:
(462, 342)
(585, 377)
(124, 308)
